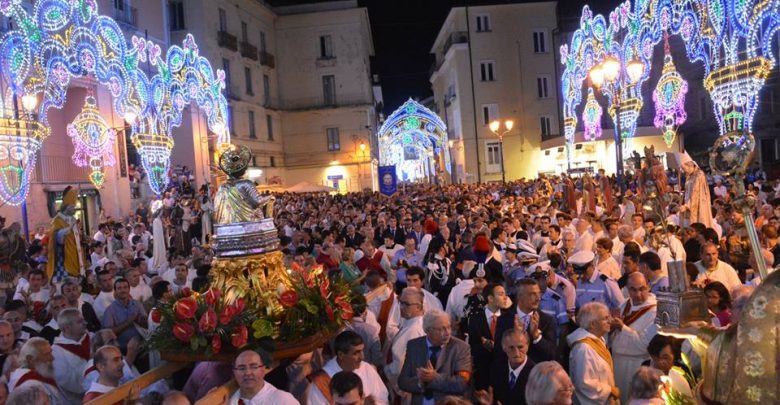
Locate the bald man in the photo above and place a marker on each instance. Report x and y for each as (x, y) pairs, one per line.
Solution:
(632, 331)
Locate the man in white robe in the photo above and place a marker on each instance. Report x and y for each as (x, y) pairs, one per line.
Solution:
(412, 312)
(590, 363)
(711, 269)
(249, 370)
(632, 332)
(72, 351)
(36, 361)
(349, 357)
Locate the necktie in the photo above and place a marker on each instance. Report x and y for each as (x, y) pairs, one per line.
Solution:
(241, 402)
(512, 380)
(493, 326)
(433, 357)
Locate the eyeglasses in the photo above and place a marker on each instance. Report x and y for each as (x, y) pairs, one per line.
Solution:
(249, 367)
(408, 304)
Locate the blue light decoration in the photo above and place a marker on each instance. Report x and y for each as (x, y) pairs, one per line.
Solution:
(669, 98)
(62, 39)
(416, 127)
(732, 39)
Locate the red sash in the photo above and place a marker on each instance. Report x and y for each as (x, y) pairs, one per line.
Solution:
(321, 380)
(90, 369)
(33, 375)
(374, 263)
(81, 350)
(384, 313)
(629, 318)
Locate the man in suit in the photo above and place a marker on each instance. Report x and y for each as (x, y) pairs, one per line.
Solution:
(525, 315)
(398, 234)
(481, 329)
(509, 378)
(437, 364)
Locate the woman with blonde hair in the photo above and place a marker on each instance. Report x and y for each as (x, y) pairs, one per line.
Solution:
(349, 270)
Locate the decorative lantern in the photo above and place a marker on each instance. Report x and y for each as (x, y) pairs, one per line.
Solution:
(93, 141)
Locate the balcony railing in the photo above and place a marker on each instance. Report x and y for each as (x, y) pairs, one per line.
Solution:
(125, 14)
(457, 37)
(266, 59)
(226, 40)
(248, 50)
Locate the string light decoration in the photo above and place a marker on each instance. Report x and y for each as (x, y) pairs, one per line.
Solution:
(669, 98)
(155, 150)
(412, 126)
(20, 141)
(61, 39)
(93, 141)
(591, 117)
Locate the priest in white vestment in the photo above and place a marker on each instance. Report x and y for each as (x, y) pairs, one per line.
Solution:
(590, 362)
(72, 351)
(36, 361)
(249, 370)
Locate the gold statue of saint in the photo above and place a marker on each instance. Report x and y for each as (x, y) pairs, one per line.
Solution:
(238, 200)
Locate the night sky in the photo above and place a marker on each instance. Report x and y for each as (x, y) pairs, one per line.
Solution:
(404, 31)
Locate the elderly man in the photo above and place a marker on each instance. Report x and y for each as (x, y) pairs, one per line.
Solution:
(711, 269)
(36, 367)
(590, 363)
(110, 366)
(632, 331)
(525, 314)
(509, 378)
(71, 352)
(349, 357)
(249, 370)
(437, 364)
(412, 309)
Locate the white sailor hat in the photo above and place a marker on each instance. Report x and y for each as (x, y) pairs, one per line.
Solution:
(524, 256)
(525, 246)
(541, 266)
(581, 260)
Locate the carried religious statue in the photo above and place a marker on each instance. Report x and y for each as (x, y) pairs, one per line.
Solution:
(652, 176)
(65, 255)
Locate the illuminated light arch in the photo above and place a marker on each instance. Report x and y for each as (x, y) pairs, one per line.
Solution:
(62, 39)
(731, 38)
(414, 139)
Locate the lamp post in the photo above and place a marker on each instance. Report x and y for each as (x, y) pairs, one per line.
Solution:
(495, 127)
(29, 102)
(617, 84)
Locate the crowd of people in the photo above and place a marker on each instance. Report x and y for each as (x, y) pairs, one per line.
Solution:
(530, 292)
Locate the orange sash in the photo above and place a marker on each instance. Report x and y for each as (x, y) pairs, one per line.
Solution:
(321, 380)
(629, 318)
(384, 313)
(600, 348)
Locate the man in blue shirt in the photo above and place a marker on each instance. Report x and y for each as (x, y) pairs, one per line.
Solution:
(592, 285)
(123, 314)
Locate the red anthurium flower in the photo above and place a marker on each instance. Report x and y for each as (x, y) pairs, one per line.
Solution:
(185, 292)
(212, 296)
(156, 315)
(239, 337)
(329, 312)
(185, 308)
(289, 298)
(325, 287)
(183, 331)
(216, 344)
(238, 306)
(208, 321)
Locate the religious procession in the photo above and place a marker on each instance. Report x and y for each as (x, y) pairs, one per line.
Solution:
(531, 226)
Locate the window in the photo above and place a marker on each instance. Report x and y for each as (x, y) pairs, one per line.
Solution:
(252, 133)
(244, 34)
(483, 23)
(230, 120)
(262, 41)
(493, 157)
(539, 44)
(248, 80)
(541, 86)
(176, 15)
(273, 161)
(326, 47)
(329, 89)
(545, 125)
(333, 139)
(226, 68)
(222, 20)
(487, 70)
(266, 91)
(489, 113)
(119, 5)
(269, 123)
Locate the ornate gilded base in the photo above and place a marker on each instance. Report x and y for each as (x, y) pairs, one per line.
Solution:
(254, 278)
(676, 309)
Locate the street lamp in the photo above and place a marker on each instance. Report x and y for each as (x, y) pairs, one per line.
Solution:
(608, 74)
(495, 127)
(29, 102)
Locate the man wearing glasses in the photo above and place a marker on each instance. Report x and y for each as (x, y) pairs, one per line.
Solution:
(249, 370)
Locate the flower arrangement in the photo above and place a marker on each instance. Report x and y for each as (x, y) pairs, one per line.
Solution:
(210, 323)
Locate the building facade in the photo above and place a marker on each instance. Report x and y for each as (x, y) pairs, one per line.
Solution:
(300, 88)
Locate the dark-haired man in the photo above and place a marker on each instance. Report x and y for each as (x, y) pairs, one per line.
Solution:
(249, 370)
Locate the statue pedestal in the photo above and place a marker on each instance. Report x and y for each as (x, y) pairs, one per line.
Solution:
(245, 238)
(255, 278)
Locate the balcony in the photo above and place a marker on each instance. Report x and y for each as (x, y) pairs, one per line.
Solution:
(248, 50)
(226, 40)
(266, 59)
(457, 37)
(123, 13)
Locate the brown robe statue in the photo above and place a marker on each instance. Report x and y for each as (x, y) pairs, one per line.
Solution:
(697, 197)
